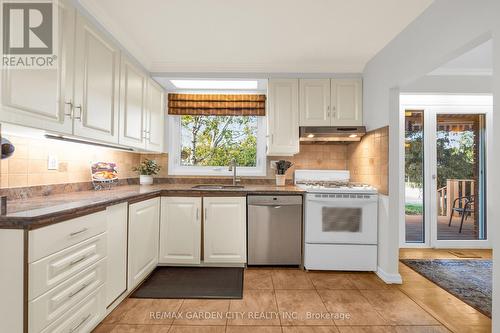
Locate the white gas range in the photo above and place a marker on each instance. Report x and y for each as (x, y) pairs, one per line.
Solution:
(340, 221)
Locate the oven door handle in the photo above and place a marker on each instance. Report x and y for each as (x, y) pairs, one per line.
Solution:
(338, 200)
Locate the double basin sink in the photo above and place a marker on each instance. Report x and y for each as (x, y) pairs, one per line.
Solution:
(216, 187)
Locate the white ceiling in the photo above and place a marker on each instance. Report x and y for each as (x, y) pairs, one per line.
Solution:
(478, 61)
(257, 36)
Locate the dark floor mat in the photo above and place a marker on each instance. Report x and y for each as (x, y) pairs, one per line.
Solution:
(193, 282)
(468, 280)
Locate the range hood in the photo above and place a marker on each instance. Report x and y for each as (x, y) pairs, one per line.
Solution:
(332, 133)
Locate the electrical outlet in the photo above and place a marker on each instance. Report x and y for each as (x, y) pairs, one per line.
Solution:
(52, 163)
(272, 164)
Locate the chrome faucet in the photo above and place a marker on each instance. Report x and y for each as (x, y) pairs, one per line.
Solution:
(232, 167)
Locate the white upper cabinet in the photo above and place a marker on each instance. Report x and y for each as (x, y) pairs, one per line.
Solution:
(224, 229)
(283, 117)
(335, 102)
(180, 230)
(133, 105)
(347, 99)
(97, 72)
(155, 117)
(41, 98)
(314, 102)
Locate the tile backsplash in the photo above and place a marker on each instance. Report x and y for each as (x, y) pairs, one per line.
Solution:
(367, 161)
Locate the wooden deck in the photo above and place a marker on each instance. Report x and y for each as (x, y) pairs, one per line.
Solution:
(414, 229)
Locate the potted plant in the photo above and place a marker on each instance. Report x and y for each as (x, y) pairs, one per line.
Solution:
(281, 167)
(146, 170)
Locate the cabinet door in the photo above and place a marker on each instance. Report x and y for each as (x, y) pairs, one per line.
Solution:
(116, 278)
(283, 117)
(155, 117)
(180, 230)
(97, 70)
(347, 97)
(42, 98)
(224, 227)
(143, 226)
(314, 102)
(132, 106)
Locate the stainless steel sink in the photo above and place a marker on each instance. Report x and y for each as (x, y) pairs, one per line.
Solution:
(216, 187)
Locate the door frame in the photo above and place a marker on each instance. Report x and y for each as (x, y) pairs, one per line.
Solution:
(432, 105)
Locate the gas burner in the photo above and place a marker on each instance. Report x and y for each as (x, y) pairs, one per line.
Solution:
(326, 181)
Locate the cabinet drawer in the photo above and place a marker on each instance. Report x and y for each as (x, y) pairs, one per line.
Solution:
(48, 272)
(54, 303)
(83, 317)
(48, 240)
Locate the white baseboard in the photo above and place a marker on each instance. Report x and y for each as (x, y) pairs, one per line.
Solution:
(389, 278)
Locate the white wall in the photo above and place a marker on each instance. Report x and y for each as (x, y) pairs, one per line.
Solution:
(451, 84)
(445, 30)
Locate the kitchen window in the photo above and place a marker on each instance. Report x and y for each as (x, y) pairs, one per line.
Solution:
(204, 137)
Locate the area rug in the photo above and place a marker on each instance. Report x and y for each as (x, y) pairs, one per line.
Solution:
(468, 280)
(193, 282)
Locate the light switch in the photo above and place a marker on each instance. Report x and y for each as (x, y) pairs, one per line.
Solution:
(53, 162)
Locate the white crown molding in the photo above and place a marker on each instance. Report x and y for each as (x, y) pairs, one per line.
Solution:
(443, 71)
(105, 20)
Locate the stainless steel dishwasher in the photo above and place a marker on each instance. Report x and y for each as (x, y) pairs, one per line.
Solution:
(275, 230)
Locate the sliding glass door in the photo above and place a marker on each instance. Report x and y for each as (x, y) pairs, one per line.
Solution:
(445, 178)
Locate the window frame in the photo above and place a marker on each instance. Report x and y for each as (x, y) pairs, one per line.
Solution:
(174, 152)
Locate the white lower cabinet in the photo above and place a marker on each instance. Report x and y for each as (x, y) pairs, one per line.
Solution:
(116, 223)
(224, 229)
(143, 239)
(180, 230)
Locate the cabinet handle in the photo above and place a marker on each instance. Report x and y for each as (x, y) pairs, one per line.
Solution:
(78, 232)
(197, 213)
(78, 291)
(79, 107)
(74, 329)
(76, 261)
(205, 216)
(70, 114)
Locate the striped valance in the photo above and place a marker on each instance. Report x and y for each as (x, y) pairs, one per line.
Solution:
(217, 104)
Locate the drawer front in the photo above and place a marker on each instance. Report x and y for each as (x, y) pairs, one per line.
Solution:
(83, 317)
(48, 240)
(48, 272)
(54, 303)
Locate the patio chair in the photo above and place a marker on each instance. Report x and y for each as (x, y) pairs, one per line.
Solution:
(464, 209)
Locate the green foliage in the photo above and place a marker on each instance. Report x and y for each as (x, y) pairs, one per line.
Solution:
(455, 156)
(147, 168)
(216, 140)
(414, 209)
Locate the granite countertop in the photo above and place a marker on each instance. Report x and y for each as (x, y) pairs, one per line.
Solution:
(41, 211)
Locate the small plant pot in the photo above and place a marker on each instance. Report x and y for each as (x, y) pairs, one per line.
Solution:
(280, 180)
(146, 180)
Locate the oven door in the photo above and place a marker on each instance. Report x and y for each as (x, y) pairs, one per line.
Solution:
(341, 218)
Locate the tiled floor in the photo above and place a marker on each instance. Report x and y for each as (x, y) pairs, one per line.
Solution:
(293, 301)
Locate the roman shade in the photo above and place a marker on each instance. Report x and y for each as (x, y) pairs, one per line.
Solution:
(217, 104)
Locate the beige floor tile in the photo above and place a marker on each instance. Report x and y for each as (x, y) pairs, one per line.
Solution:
(258, 308)
(291, 279)
(368, 281)
(448, 309)
(258, 279)
(253, 329)
(422, 329)
(397, 308)
(310, 329)
(351, 303)
(301, 307)
(328, 280)
(197, 329)
(367, 329)
(140, 311)
(203, 312)
(121, 328)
